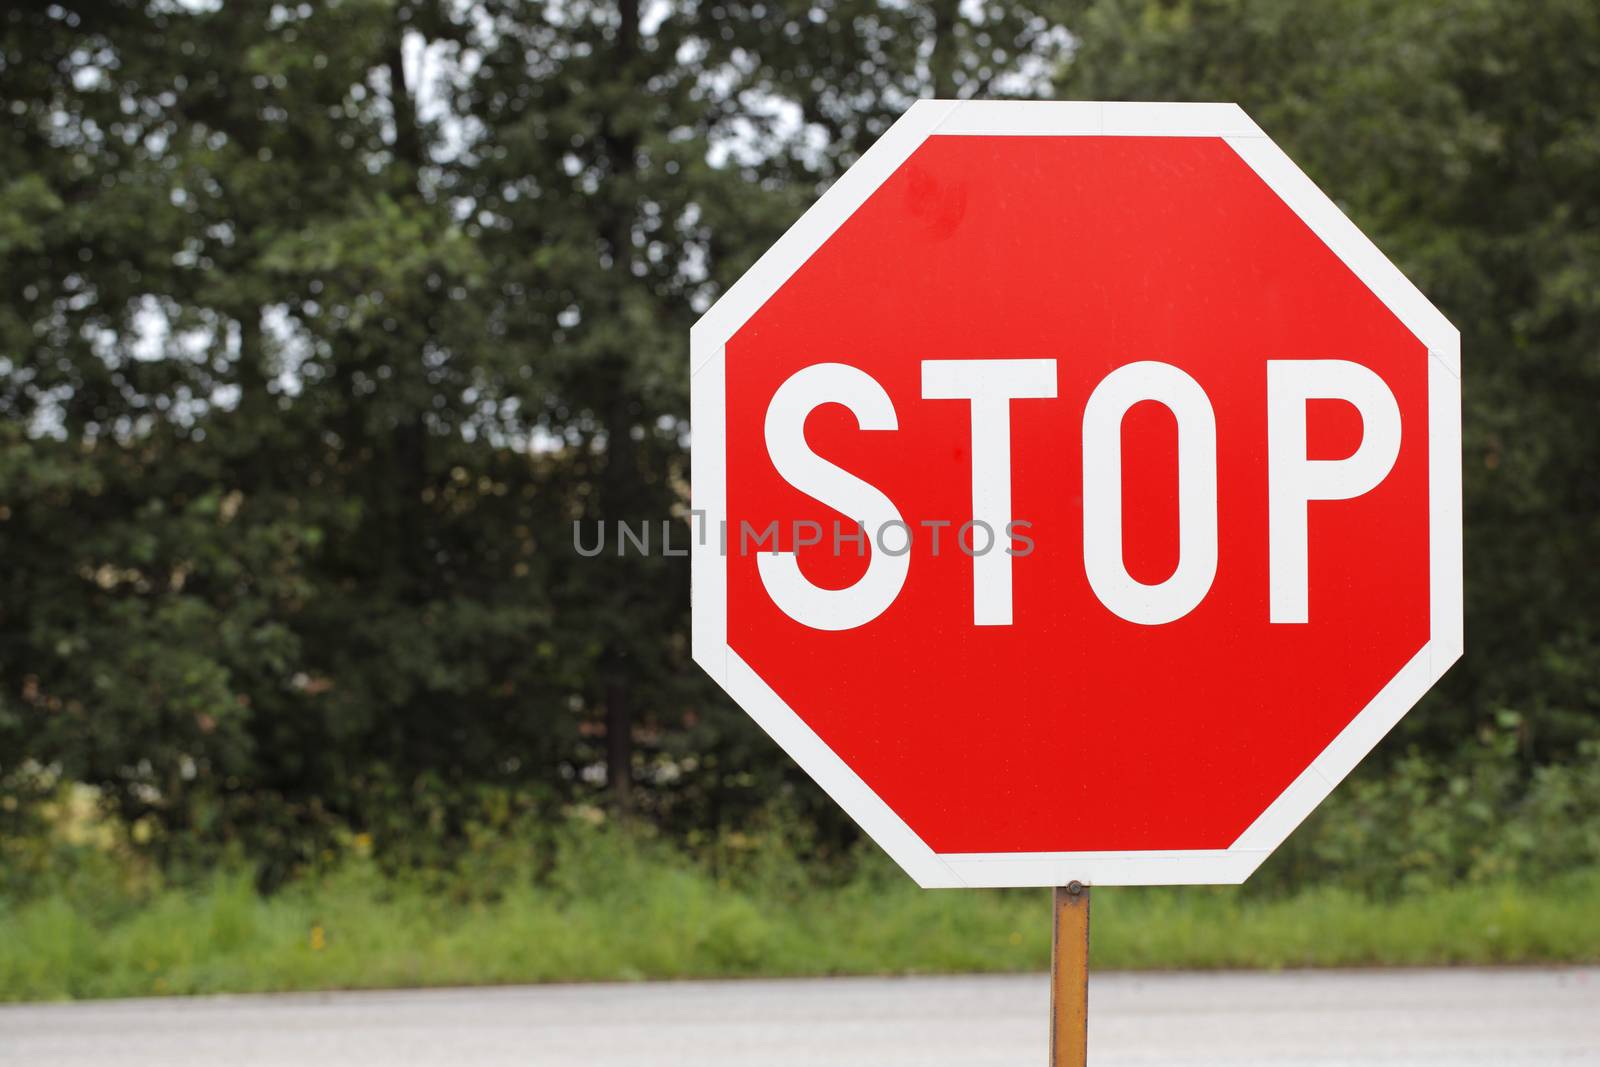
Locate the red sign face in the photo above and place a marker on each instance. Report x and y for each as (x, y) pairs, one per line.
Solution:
(1081, 494)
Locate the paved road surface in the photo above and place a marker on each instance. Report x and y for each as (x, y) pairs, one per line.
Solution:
(1503, 1018)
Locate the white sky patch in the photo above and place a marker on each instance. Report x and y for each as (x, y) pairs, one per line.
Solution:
(291, 347)
(652, 15)
(973, 10)
(767, 126)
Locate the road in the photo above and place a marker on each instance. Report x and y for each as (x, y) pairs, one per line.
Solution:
(1327, 1019)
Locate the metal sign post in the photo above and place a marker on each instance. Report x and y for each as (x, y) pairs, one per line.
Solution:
(1069, 977)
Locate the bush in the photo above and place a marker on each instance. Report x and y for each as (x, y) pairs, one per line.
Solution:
(1428, 823)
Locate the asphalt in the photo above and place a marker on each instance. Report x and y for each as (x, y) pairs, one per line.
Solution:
(1505, 1018)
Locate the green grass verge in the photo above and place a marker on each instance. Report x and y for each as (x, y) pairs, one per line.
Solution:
(635, 914)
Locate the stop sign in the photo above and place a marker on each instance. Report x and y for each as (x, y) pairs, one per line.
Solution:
(1079, 493)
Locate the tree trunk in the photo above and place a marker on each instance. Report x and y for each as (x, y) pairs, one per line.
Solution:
(619, 496)
(619, 745)
(942, 62)
(620, 488)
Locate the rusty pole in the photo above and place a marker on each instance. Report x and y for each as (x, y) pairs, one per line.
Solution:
(1069, 977)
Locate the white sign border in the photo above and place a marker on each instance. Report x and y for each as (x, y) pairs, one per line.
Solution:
(708, 473)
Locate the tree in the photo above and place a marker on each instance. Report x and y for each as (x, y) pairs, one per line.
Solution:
(267, 564)
(1461, 137)
(320, 326)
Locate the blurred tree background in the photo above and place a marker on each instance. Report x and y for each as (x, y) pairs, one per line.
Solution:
(321, 323)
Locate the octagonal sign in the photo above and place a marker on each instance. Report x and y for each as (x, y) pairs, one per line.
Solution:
(1079, 493)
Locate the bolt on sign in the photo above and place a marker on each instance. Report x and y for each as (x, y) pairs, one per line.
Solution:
(1090, 492)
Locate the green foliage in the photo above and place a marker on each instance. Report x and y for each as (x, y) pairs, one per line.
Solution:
(1427, 824)
(595, 903)
(321, 324)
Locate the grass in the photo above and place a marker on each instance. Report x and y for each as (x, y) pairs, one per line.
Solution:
(616, 911)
